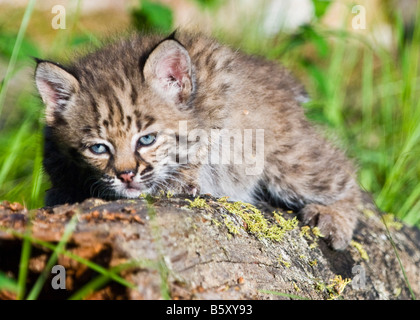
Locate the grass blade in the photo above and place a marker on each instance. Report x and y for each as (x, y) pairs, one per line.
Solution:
(91, 287)
(394, 247)
(10, 69)
(37, 176)
(24, 263)
(13, 152)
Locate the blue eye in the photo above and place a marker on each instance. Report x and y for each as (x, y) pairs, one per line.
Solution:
(147, 140)
(99, 148)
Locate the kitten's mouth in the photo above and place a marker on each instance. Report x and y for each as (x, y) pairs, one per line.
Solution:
(131, 192)
(129, 188)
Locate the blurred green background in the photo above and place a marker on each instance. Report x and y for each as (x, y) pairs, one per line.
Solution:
(359, 63)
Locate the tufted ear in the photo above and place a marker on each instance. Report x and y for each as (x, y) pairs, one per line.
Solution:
(56, 87)
(168, 70)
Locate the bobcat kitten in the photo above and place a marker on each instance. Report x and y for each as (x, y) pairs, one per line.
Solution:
(112, 113)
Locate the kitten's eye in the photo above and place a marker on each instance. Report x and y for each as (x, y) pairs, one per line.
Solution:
(99, 148)
(147, 140)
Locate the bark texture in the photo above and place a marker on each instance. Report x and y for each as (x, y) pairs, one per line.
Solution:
(170, 247)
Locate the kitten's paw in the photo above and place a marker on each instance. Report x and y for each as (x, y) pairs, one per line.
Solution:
(336, 226)
(192, 190)
(189, 189)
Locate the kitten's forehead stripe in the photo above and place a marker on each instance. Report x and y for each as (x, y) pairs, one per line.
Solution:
(149, 120)
(98, 129)
(110, 106)
(134, 94)
(93, 104)
(129, 121)
(138, 124)
(137, 114)
(120, 109)
(110, 118)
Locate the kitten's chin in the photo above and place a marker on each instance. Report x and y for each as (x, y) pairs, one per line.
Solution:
(130, 193)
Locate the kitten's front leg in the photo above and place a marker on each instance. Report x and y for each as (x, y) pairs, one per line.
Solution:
(335, 221)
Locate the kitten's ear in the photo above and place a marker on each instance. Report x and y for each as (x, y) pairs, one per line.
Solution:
(168, 70)
(56, 87)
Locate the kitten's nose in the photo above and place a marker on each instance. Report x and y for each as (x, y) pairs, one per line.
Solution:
(126, 176)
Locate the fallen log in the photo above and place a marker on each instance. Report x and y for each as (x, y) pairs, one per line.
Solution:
(204, 248)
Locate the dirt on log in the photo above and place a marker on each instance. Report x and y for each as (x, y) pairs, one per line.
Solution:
(171, 247)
